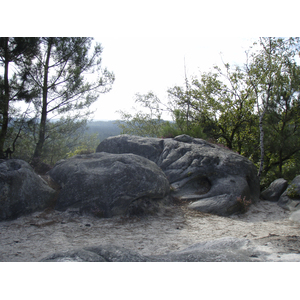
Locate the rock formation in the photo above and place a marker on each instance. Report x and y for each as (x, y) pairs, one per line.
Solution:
(227, 249)
(106, 184)
(214, 178)
(290, 199)
(275, 190)
(132, 175)
(22, 191)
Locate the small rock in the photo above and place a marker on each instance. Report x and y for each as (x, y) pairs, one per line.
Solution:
(290, 199)
(275, 190)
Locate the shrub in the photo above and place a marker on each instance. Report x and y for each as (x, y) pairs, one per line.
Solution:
(243, 203)
(292, 192)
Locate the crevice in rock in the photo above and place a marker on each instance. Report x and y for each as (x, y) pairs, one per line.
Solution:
(191, 187)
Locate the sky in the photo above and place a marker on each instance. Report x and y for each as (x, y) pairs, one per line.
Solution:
(147, 43)
(143, 64)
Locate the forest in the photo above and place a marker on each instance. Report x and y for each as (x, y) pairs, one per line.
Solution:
(252, 109)
(56, 80)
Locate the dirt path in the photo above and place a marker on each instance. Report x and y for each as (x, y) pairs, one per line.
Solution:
(33, 237)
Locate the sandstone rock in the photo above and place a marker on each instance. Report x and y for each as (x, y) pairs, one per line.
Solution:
(97, 254)
(220, 250)
(295, 216)
(290, 199)
(196, 169)
(275, 190)
(227, 249)
(106, 184)
(22, 191)
(150, 148)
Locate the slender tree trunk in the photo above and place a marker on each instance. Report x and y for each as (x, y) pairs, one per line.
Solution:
(261, 129)
(42, 130)
(187, 98)
(261, 139)
(280, 163)
(5, 102)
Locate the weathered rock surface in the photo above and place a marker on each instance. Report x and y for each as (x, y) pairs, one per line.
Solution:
(275, 190)
(211, 176)
(106, 184)
(97, 254)
(22, 191)
(226, 249)
(290, 199)
(295, 216)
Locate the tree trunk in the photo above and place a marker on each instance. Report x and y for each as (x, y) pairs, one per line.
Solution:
(280, 163)
(42, 130)
(5, 102)
(262, 148)
(187, 98)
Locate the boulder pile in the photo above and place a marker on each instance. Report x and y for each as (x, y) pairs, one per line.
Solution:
(286, 195)
(214, 179)
(134, 175)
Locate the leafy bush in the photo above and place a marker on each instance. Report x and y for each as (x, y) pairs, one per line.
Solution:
(292, 191)
(87, 145)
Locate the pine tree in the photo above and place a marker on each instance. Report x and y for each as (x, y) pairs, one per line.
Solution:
(69, 79)
(12, 88)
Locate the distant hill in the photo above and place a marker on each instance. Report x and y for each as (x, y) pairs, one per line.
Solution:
(104, 129)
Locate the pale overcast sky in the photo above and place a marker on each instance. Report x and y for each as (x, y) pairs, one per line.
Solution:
(146, 42)
(156, 64)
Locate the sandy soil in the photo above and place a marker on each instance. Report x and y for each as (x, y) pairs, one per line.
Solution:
(33, 237)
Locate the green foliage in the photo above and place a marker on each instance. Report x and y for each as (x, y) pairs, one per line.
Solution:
(59, 71)
(139, 124)
(170, 130)
(52, 74)
(292, 192)
(65, 136)
(143, 123)
(218, 109)
(14, 84)
(173, 129)
(87, 145)
(253, 110)
(274, 76)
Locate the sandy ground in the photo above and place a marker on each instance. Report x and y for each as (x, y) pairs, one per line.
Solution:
(33, 237)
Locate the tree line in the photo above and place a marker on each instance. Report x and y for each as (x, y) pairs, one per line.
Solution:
(56, 79)
(253, 109)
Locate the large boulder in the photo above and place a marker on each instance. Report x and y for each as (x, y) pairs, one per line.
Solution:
(290, 199)
(215, 179)
(275, 190)
(22, 191)
(105, 185)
